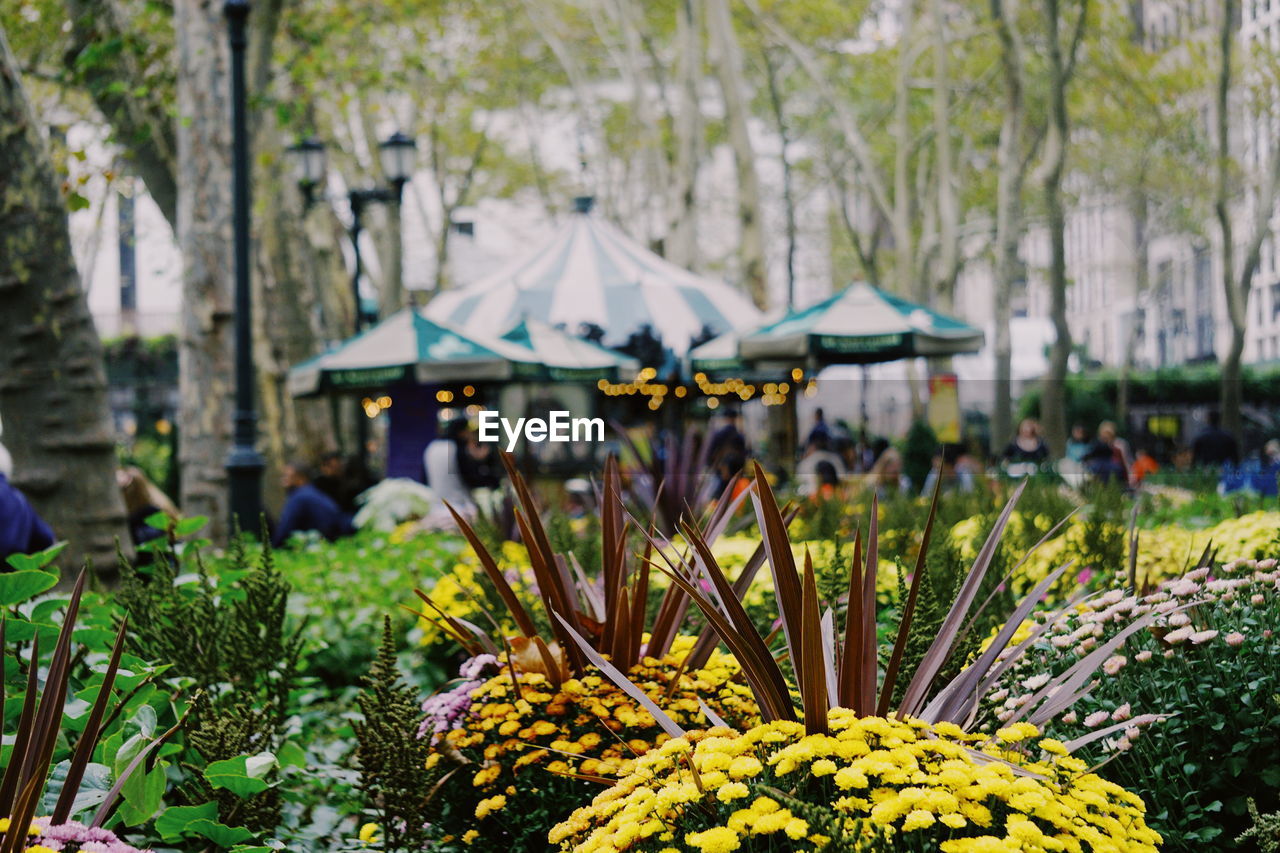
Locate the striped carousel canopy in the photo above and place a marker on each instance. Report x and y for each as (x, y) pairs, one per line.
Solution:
(567, 357)
(592, 273)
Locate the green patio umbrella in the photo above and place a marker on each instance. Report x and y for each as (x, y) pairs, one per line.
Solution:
(859, 325)
(407, 345)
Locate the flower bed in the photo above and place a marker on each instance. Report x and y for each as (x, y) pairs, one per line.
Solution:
(871, 784)
(1187, 709)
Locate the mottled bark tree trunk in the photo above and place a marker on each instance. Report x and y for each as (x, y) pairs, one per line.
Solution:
(737, 107)
(53, 389)
(1011, 172)
(205, 359)
(680, 244)
(1053, 400)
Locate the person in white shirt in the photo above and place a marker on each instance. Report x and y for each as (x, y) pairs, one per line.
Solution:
(442, 464)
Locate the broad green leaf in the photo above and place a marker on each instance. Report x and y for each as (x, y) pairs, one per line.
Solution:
(187, 526)
(17, 587)
(234, 775)
(173, 823)
(38, 560)
(143, 794)
(220, 834)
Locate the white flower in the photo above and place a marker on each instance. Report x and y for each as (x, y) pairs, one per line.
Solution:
(1035, 682)
(1184, 588)
(1177, 620)
(1114, 664)
(1096, 719)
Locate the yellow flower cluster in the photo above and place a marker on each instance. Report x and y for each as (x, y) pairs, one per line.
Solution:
(587, 726)
(458, 591)
(1163, 553)
(870, 780)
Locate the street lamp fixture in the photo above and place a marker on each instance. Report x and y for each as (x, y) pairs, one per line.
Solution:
(308, 157)
(396, 154)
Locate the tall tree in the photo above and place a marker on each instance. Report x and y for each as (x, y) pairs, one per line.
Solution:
(737, 111)
(1238, 269)
(1061, 68)
(53, 394)
(205, 356)
(1011, 170)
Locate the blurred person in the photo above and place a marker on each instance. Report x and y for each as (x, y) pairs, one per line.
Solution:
(956, 472)
(1078, 443)
(143, 499)
(828, 480)
(820, 427)
(22, 530)
(1183, 459)
(886, 476)
(1108, 458)
(1027, 452)
(308, 508)
(816, 452)
(479, 464)
(1215, 447)
(728, 440)
(1144, 464)
(729, 467)
(1271, 452)
(443, 463)
(331, 477)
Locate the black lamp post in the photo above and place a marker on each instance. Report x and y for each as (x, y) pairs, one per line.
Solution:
(397, 154)
(245, 464)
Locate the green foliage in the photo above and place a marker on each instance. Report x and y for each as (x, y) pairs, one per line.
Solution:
(391, 757)
(1105, 522)
(1265, 830)
(230, 634)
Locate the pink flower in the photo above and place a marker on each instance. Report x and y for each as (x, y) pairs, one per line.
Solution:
(1168, 653)
(1143, 656)
(1203, 636)
(1177, 636)
(1266, 565)
(1183, 588)
(1123, 744)
(1114, 664)
(1035, 682)
(1132, 732)
(1096, 719)
(1070, 717)
(1084, 577)
(1258, 600)
(1177, 620)
(1122, 713)
(1235, 639)
(1088, 643)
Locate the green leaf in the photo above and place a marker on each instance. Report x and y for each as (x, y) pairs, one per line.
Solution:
(16, 587)
(158, 520)
(187, 526)
(218, 833)
(292, 755)
(173, 823)
(38, 560)
(143, 794)
(242, 775)
(75, 202)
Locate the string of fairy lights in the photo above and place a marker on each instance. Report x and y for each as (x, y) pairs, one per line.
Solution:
(644, 384)
(770, 393)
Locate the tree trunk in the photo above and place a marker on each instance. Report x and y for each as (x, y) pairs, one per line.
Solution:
(737, 110)
(788, 178)
(680, 244)
(53, 388)
(205, 360)
(1010, 166)
(1141, 281)
(904, 256)
(948, 264)
(1053, 409)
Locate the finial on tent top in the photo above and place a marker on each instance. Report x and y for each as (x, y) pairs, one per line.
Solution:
(583, 204)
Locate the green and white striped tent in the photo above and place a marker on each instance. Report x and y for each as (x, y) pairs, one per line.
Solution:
(859, 325)
(568, 358)
(589, 272)
(409, 346)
